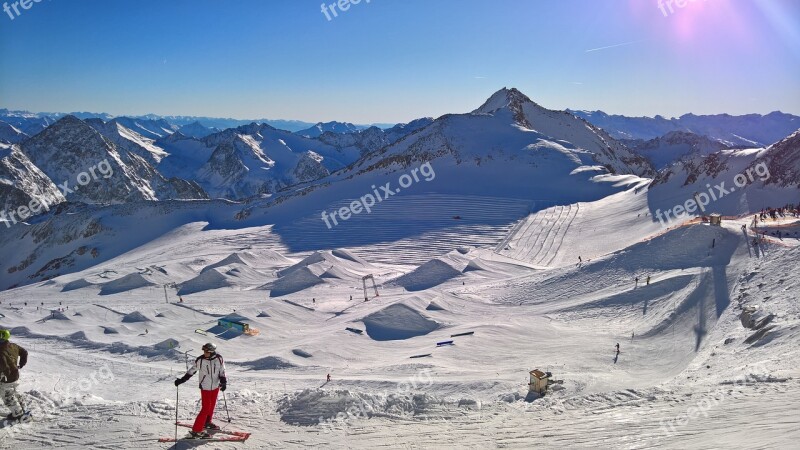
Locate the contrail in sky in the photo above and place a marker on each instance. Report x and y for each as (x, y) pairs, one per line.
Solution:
(612, 46)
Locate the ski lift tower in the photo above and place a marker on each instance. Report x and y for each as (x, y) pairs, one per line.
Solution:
(374, 286)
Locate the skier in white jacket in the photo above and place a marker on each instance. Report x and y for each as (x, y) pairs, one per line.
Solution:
(211, 368)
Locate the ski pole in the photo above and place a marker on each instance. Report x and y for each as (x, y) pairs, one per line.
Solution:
(177, 399)
(226, 406)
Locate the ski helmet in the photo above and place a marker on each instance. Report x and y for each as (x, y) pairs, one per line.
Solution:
(210, 347)
(5, 335)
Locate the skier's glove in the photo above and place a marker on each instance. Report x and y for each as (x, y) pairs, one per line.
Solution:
(223, 383)
(180, 381)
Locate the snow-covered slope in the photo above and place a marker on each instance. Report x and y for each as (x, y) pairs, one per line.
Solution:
(684, 348)
(729, 182)
(196, 130)
(128, 141)
(10, 134)
(259, 159)
(782, 160)
(151, 129)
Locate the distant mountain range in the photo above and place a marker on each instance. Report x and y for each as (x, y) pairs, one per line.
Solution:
(751, 130)
(31, 123)
(509, 149)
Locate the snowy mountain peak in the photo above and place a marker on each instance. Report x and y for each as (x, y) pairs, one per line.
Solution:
(329, 127)
(196, 130)
(512, 99)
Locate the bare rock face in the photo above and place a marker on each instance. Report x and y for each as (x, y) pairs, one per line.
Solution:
(113, 165)
(310, 168)
(21, 182)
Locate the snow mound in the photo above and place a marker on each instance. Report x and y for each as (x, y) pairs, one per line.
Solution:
(433, 306)
(167, 315)
(135, 317)
(322, 261)
(233, 258)
(474, 266)
(428, 275)
(295, 281)
(218, 276)
(346, 254)
(127, 283)
(109, 330)
(339, 273)
(398, 322)
(206, 281)
(302, 353)
(233, 317)
(269, 363)
(57, 315)
(263, 314)
(167, 344)
(80, 283)
(307, 407)
(78, 336)
(262, 259)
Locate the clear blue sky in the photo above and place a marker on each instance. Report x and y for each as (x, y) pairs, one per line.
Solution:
(395, 60)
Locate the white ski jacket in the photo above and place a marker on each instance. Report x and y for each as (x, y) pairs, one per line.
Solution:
(212, 372)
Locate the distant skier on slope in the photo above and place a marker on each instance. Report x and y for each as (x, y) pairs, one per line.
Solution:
(617, 347)
(12, 358)
(212, 380)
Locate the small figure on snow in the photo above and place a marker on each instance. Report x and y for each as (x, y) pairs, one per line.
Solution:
(617, 347)
(636, 282)
(212, 380)
(648, 280)
(9, 375)
(329, 377)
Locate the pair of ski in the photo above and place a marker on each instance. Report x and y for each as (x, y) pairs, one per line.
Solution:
(229, 436)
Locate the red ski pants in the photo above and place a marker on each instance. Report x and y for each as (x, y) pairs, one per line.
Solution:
(209, 401)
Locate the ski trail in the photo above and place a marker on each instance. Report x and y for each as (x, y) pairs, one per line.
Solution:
(564, 234)
(547, 234)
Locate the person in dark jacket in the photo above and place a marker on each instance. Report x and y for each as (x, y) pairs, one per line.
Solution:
(12, 359)
(212, 380)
